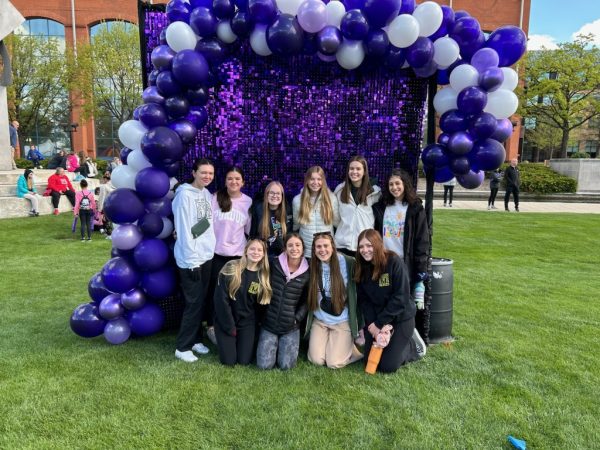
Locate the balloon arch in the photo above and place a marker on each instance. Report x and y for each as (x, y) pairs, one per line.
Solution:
(429, 39)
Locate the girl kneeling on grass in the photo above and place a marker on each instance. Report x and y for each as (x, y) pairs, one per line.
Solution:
(243, 284)
(279, 338)
(333, 319)
(383, 292)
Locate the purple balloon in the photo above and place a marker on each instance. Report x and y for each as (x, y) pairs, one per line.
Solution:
(167, 84)
(380, 12)
(471, 180)
(162, 145)
(151, 225)
(354, 25)
(171, 169)
(469, 49)
(160, 283)
(262, 11)
(443, 174)
(488, 154)
(466, 30)
(198, 116)
(162, 57)
(117, 331)
(176, 107)
(123, 206)
(190, 68)
(152, 77)
(460, 143)
(110, 307)
(151, 95)
(427, 70)
(86, 321)
(460, 14)
(483, 126)
(201, 3)
(452, 121)
(186, 130)
(152, 115)
(434, 156)
(212, 49)
(147, 321)
(377, 43)
(161, 206)
(395, 58)
(96, 288)
(197, 96)
(471, 100)
(447, 23)
(119, 275)
(285, 36)
(443, 138)
(420, 53)
(241, 24)
(491, 79)
(223, 9)
(178, 11)
(460, 165)
(354, 4)
(328, 40)
(408, 7)
(509, 42)
(203, 22)
(151, 254)
(126, 237)
(485, 58)
(504, 129)
(124, 153)
(152, 183)
(241, 4)
(133, 299)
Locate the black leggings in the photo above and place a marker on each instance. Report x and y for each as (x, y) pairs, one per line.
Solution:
(448, 189)
(218, 262)
(86, 217)
(400, 350)
(237, 349)
(493, 193)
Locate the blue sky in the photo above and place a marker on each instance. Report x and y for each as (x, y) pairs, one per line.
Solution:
(554, 21)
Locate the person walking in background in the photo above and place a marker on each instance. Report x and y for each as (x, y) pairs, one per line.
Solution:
(59, 185)
(85, 206)
(35, 156)
(26, 189)
(13, 131)
(512, 178)
(449, 192)
(495, 178)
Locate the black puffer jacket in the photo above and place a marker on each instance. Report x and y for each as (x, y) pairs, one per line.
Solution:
(288, 304)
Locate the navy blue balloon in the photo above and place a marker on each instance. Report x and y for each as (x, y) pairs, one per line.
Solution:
(483, 126)
(427, 70)
(466, 30)
(328, 40)
(159, 283)
(124, 153)
(443, 174)
(152, 77)
(201, 4)
(460, 14)
(354, 25)
(420, 53)
(471, 100)
(380, 12)
(460, 165)
(241, 4)
(153, 115)
(136, 113)
(186, 130)
(167, 84)
(262, 11)
(171, 169)
(162, 37)
(434, 155)
(190, 68)
(197, 96)
(408, 7)
(152, 183)
(151, 95)
(151, 224)
(394, 58)
(377, 44)
(285, 36)
(162, 57)
(491, 79)
(460, 143)
(241, 24)
(452, 121)
(161, 144)
(509, 42)
(443, 77)
(97, 289)
(178, 11)
(123, 206)
(162, 206)
(198, 116)
(471, 180)
(147, 320)
(86, 321)
(469, 49)
(151, 254)
(488, 154)
(176, 107)
(447, 23)
(504, 129)
(354, 4)
(203, 22)
(443, 139)
(213, 50)
(119, 275)
(223, 9)
(310, 45)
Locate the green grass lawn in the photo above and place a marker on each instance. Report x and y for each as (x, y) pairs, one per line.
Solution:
(524, 361)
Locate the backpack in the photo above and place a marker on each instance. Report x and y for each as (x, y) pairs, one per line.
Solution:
(85, 203)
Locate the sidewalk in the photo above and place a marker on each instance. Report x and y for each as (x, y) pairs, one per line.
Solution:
(524, 207)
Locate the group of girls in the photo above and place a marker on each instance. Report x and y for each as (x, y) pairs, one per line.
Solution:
(343, 265)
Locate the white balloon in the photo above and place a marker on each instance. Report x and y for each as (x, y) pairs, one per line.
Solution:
(350, 54)
(289, 6)
(225, 33)
(167, 229)
(430, 16)
(501, 103)
(464, 76)
(131, 133)
(511, 79)
(445, 51)
(123, 176)
(445, 100)
(403, 31)
(258, 40)
(180, 36)
(137, 160)
(335, 11)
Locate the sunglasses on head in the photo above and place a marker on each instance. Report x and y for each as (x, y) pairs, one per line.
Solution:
(322, 234)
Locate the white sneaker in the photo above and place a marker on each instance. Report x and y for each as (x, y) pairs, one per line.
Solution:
(489, 207)
(200, 348)
(188, 356)
(421, 347)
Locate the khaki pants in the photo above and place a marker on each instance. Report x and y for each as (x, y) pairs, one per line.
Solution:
(332, 345)
(12, 157)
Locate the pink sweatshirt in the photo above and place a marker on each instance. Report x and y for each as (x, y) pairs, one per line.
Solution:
(79, 195)
(232, 227)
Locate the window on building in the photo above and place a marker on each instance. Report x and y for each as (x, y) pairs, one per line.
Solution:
(573, 147)
(591, 148)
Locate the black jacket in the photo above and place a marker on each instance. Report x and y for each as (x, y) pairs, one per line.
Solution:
(386, 300)
(416, 239)
(288, 304)
(232, 314)
(512, 177)
(275, 244)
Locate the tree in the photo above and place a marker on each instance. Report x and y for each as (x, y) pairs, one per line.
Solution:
(563, 87)
(543, 138)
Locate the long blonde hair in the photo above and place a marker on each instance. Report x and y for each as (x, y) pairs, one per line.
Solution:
(324, 195)
(280, 212)
(234, 269)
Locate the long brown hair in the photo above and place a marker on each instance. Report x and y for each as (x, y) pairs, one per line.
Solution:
(324, 195)
(223, 198)
(337, 287)
(280, 212)
(409, 195)
(380, 257)
(365, 186)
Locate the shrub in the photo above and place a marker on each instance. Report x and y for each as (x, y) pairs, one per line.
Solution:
(102, 165)
(23, 163)
(580, 155)
(538, 179)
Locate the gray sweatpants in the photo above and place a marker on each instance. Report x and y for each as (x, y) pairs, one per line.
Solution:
(282, 349)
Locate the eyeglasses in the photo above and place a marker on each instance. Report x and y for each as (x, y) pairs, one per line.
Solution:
(322, 234)
(274, 194)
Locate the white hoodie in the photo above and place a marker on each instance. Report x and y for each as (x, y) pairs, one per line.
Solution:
(354, 218)
(190, 205)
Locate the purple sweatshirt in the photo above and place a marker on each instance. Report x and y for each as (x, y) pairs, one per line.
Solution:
(232, 227)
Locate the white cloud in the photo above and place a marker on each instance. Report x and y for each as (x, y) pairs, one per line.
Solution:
(537, 41)
(590, 28)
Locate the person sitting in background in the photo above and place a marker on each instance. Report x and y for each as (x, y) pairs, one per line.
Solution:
(35, 156)
(116, 162)
(89, 168)
(58, 185)
(58, 160)
(73, 162)
(26, 189)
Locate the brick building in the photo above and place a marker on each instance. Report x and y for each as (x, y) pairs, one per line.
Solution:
(75, 21)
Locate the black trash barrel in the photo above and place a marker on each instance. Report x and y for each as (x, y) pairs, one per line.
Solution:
(442, 280)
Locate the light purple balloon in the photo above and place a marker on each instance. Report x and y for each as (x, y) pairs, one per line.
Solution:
(111, 307)
(133, 299)
(471, 180)
(126, 236)
(312, 16)
(460, 143)
(485, 58)
(117, 331)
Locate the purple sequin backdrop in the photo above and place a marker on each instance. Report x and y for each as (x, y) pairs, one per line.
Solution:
(276, 117)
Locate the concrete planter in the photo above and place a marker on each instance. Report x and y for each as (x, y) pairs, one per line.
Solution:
(585, 171)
